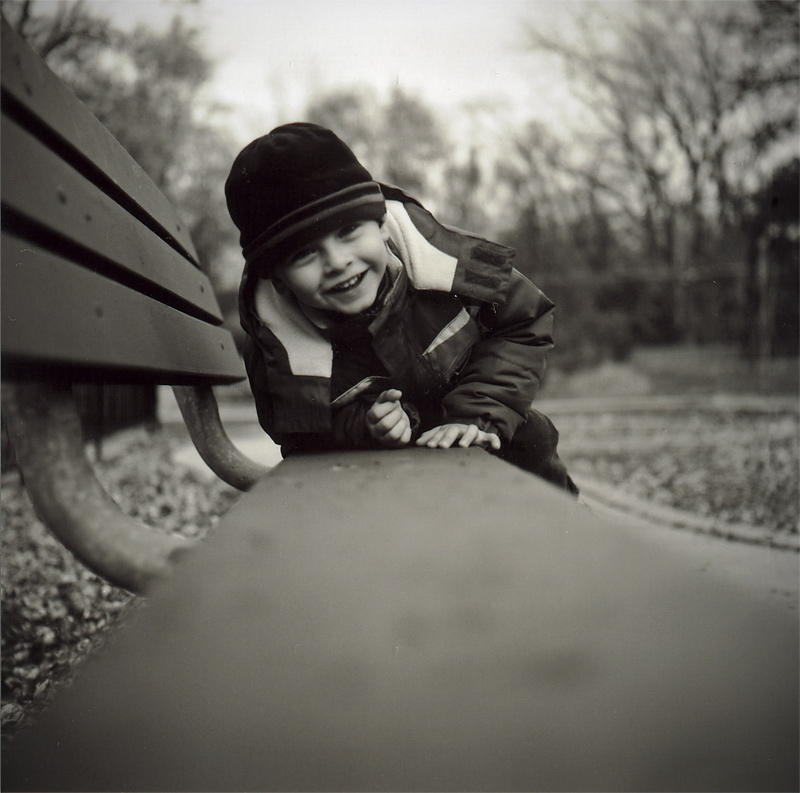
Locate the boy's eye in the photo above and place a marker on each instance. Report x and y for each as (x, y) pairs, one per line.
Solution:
(349, 230)
(302, 256)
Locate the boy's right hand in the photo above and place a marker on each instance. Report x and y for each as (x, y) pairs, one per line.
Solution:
(387, 422)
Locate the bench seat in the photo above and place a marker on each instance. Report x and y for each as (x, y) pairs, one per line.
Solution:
(428, 620)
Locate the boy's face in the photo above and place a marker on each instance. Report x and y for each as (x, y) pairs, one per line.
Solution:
(340, 271)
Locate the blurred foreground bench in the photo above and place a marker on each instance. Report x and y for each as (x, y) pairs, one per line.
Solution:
(427, 620)
(405, 620)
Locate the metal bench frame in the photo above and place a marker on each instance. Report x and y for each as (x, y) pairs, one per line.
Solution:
(45, 432)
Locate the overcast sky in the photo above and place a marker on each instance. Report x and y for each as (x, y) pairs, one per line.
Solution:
(273, 54)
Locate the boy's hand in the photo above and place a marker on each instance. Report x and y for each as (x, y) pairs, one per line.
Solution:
(444, 436)
(387, 422)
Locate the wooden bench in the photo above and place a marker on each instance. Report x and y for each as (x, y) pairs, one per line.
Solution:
(393, 620)
(100, 282)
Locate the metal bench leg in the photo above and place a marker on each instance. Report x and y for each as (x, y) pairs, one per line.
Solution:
(45, 431)
(200, 413)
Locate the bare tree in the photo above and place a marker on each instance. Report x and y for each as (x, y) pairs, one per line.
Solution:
(696, 106)
(70, 34)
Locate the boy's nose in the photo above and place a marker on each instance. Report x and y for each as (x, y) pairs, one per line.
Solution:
(337, 257)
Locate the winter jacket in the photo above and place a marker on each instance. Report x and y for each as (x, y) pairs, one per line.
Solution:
(456, 328)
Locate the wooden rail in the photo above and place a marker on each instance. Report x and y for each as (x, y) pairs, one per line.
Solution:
(428, 620)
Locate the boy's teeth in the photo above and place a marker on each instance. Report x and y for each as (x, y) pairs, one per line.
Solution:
(347, 284)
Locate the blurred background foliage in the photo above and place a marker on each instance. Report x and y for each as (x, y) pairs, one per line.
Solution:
(672, 220)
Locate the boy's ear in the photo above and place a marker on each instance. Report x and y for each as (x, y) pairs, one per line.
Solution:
(384, 226)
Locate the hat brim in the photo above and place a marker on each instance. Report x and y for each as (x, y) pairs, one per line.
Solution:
(282, 239)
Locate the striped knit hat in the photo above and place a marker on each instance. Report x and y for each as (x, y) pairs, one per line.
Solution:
(292, 185)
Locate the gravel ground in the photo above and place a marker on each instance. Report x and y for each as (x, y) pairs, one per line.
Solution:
(741, 467)
(738, 467)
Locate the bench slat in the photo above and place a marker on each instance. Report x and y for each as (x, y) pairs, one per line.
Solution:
(40, 186)
(84, 320)
(30, 86)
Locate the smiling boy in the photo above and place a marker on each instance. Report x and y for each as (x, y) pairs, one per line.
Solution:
(369, 324)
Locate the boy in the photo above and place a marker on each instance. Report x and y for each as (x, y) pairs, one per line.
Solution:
(369, 324)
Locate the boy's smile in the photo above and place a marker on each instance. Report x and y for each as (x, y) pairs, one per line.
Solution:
(349, 283)
(340, 271)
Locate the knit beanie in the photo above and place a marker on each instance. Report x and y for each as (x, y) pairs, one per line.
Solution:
(295, 184)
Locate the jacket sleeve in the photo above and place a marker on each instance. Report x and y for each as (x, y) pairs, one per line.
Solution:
(348, 423)
(495, 388)
(259, 385)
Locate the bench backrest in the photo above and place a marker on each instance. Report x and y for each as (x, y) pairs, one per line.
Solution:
(100, 282)
(100, 277)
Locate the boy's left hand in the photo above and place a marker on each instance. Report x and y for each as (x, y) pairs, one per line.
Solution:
(444, 436)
